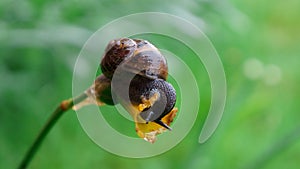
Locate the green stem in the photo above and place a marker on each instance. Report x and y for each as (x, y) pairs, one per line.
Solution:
(63, 107)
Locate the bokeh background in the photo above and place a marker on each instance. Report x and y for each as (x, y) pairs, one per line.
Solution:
(258, 43)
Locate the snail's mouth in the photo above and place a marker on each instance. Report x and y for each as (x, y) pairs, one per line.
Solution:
(149, 116)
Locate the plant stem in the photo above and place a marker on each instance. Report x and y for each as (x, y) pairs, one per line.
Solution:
(63, 107)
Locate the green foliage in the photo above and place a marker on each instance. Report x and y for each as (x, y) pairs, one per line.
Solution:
(40, 41)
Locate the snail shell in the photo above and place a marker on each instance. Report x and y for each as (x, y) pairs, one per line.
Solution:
(135, 56)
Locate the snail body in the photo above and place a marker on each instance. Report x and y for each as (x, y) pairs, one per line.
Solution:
(162, 92)
(140, 63)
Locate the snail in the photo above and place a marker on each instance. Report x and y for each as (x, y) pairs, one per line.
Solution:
(135, 72)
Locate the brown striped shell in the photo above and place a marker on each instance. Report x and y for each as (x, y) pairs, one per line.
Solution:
(136, 56)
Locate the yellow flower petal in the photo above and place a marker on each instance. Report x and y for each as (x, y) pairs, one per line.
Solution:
(150, 130)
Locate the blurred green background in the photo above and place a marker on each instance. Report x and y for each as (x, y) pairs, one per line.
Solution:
(258, 43)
